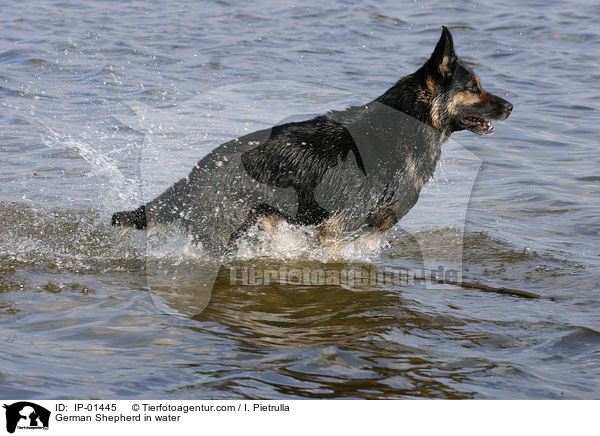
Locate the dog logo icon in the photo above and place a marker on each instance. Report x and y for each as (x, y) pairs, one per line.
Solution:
(26, 415)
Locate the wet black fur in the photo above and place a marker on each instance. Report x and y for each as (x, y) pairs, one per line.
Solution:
(298, 155)
(281, 162)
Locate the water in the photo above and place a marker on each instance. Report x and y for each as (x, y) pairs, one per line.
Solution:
(76, 315)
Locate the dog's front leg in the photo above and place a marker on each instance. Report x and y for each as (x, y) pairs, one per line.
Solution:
(382, 219)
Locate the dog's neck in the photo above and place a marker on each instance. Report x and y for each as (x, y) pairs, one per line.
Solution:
(411, 96)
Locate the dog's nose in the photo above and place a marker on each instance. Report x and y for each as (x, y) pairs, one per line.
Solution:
(507, 106)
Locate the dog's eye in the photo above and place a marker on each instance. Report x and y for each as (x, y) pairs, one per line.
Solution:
(474, 88)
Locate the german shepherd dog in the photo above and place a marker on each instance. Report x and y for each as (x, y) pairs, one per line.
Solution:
(345, 172)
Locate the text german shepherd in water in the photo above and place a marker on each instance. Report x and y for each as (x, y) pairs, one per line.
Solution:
(348, 171)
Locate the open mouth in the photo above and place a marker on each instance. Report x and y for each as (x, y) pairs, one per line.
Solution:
(478, 125)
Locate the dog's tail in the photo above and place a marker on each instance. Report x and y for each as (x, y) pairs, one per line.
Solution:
(133, 218)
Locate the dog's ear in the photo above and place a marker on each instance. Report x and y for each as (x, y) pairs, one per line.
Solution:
(443, 59)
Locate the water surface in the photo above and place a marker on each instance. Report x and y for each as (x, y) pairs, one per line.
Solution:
(77, 318)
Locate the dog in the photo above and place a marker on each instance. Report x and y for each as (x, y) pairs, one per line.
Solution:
(344, 172)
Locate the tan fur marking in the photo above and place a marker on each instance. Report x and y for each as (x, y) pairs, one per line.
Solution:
(383, 219)
(270, 223)
(443, 67)
(411, 169)
(331, 228)
(436, 113)
(329, 232)
(465, 98)
(486, 96)
(431, 85)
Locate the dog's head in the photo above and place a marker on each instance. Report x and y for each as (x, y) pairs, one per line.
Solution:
(455, 97)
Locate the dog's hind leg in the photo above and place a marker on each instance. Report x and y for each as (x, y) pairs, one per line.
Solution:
(309, 212)
(266, 215)
(134, 218)
(334, 233)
